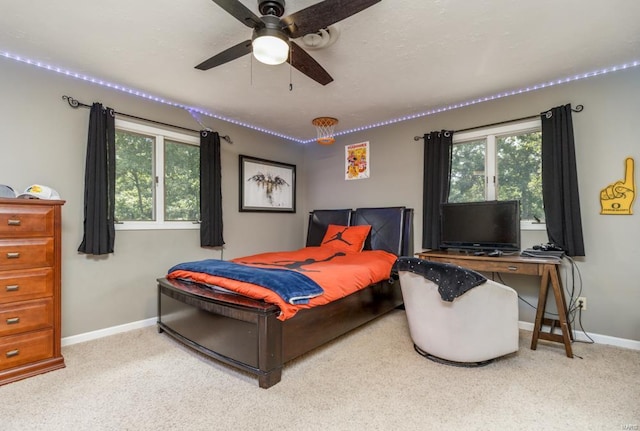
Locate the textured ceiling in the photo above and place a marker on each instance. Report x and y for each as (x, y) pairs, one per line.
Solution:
(396, 58)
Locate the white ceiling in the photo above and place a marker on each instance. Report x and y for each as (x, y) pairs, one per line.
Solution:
(396, 58)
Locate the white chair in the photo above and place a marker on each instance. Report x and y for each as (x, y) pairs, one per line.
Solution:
(473, 328)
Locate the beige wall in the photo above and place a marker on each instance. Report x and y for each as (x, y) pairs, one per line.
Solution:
(605, 133)
(42, 140)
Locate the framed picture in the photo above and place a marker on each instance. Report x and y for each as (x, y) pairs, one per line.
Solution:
(356, 160)
(266, 185)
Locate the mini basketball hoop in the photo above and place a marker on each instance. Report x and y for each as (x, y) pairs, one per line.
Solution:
(324, 126)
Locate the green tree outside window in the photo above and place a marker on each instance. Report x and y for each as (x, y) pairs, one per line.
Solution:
(139, 178)
(518, 171)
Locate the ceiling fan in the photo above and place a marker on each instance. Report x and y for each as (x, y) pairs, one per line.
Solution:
(271, 41)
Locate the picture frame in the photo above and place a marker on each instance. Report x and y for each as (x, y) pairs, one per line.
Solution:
(356, 159)
(267, 185)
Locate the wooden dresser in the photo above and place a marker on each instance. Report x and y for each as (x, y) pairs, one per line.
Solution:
(30, 253)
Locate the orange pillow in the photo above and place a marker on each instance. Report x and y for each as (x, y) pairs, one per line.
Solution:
(346, 238)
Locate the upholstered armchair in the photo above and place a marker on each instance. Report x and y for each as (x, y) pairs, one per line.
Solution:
(456, 315)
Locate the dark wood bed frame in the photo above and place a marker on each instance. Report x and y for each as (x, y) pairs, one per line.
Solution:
(247, 334)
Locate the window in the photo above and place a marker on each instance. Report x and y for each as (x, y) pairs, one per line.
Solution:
(157, 178)
(500, 163)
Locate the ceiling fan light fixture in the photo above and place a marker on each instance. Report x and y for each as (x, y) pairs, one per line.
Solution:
(270, 44)
(270, 49)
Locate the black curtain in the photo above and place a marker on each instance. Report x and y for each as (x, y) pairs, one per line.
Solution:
(560, 181)
(210, 190)
(99, 183)
(435, 189)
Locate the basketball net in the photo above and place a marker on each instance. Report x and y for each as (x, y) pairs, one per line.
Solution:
(325, 129)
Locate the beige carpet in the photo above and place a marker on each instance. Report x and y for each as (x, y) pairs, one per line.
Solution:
(370, 379)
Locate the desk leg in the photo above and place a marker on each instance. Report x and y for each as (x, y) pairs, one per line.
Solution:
(559, 291)
(561, 302)
(542, 303)
(550, 275)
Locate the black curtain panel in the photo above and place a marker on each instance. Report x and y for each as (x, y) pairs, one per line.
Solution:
(436, 178)
(99, 183)
(560, 181)
(210, 190)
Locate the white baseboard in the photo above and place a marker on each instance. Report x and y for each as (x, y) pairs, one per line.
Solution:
(94, 335)
(597, 338)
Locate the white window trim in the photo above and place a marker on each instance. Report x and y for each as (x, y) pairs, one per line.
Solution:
(160, 134)
(490, 134)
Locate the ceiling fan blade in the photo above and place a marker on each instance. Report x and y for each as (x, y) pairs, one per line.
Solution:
(232, 53)
(307, 65)
(239, 12)
(322, 15)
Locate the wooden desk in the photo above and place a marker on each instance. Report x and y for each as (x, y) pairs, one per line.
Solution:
(547, 269)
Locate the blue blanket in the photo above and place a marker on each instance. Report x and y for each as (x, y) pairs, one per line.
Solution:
(293, 287)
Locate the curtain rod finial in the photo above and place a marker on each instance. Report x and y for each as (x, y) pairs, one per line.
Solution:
(71, 101)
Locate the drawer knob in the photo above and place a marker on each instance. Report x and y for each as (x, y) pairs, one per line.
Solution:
(13, 320)
(13, 255)
(12, 353)
(512, 268)
(13, 222)
(13, 288)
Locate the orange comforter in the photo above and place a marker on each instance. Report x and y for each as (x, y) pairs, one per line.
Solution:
(338, 273)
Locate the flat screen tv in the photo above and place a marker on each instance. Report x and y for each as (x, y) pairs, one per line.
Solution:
(481, 226)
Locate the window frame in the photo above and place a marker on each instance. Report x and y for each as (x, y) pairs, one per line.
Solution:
(158, 172)
(490, 163)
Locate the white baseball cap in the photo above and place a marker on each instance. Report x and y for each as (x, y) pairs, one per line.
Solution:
(6, 192)
(36, 191)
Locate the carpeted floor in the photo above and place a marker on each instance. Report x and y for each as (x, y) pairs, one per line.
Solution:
(370, 379)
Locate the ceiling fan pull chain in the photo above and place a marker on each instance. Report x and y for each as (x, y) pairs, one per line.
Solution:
(290, 69)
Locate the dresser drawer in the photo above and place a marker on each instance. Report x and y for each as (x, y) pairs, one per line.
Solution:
(25, 284)
(26, 253)
(19, 317)
(22, 349)
(26, 220)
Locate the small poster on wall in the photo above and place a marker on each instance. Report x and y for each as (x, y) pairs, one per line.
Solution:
(357, 161)
(617, 198)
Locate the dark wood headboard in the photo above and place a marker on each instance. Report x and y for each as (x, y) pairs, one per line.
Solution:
(391, 227)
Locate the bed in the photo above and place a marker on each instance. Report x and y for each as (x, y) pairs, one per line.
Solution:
(249, 334)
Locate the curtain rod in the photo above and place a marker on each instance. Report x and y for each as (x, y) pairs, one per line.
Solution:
(75, 103)
(578, 108)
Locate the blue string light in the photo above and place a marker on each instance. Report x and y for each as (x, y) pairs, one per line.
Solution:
(340, 133)
(487, 98)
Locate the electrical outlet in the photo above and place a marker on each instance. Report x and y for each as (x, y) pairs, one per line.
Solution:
(582, 302)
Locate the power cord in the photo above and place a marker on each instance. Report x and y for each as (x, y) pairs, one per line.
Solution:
(499, 277)
(574, 308)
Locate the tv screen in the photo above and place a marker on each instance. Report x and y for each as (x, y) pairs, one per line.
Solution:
(482, 226)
